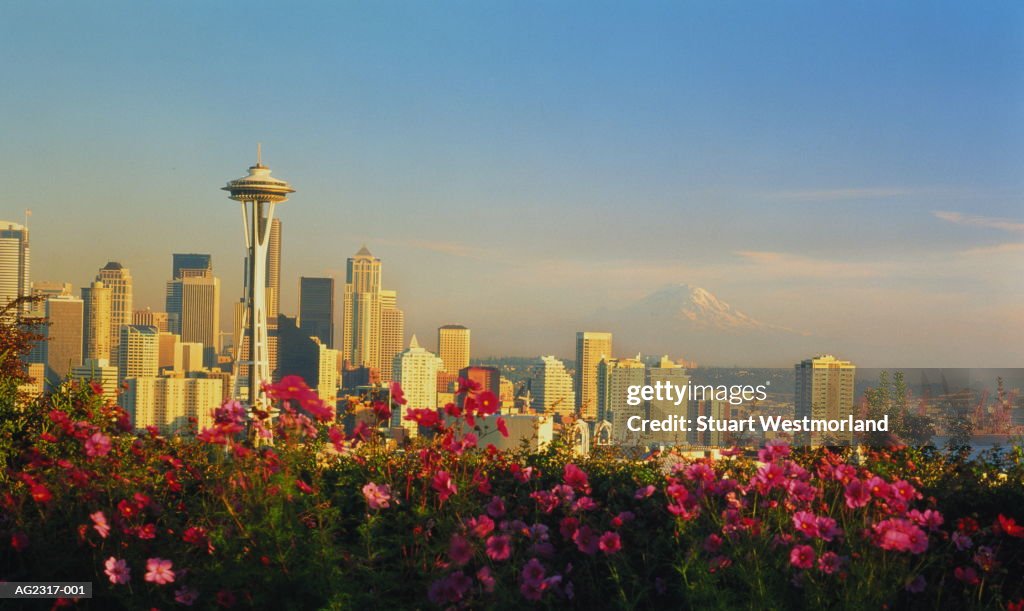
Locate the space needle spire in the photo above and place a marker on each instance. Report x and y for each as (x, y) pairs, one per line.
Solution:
(258, 193)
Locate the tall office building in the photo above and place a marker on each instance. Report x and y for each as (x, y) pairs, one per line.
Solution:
(98, 371)
(316, 308)
(152, 319)
(392, 332)
(14, 262)
(168, 351)
(118, 279)
(453, 347)
(273, 279)
(139, 352)
(416, 370)
(96, 324)
(193, 310)
(824, 390)
(62, 348)
(46, 289)
(184, 264)
(614, 377)
(667, 372)
(551, 388)
(720, 410)
(361, 315)
(591, 347)
(168, 403)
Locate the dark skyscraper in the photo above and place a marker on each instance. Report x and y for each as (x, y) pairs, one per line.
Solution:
(190, 261)
(316, 308)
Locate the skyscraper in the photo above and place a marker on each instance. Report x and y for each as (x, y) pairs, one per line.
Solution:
(591, 347)
(416, 370)
(190, 263)
(824, 390)
(193, 310)
(14, 262)
(551, 388)
(453, 347)
(667, 372)
(361, 315)
(273, 281)
(151, 318)
(614, 377)
(168, 403)
(316, 308)
(96, 324)
(118, 279)
(62, 349)
(392, 332)
(140, 352)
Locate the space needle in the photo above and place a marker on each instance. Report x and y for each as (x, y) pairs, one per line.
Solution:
(258, 193)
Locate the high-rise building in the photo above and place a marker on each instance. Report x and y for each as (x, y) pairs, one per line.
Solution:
(305, 356)
(151, 319)
(316, 308)
(824, 390)
(14, 262)
(489, 378)
(667, 372)
(139, 352)
(168, 351)
(191, 355)
(98, 371)
(709, 407)
(392, 332)
(614, 377)
(551, 388)
(185, 264)
(416, 370)
(453, 347)
(169, 403)
(361, 315)
(96, 323)
(62, 348)
(591, 347)
(46, 289)
(118, 279)
(273, 280)
(193, 310)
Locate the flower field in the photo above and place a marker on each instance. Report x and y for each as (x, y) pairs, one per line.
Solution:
(328, 518)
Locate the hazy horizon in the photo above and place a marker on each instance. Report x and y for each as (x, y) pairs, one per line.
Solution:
(530, 170)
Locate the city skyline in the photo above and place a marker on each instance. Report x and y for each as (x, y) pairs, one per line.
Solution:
(534, 186)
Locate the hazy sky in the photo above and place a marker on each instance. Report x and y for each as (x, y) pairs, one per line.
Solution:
(849, 171)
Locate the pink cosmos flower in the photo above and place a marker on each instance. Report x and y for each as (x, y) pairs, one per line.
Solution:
(486, 579)
(496, 508)
(186, 596)
(459, 550)
(100, 523)
(159, 571)
(480, 526)
(829, 563)
(900, 535)
(827, 528)
(444, 486)
(498, 548)
(644, 492)
(806, 522)
(533, 572)
(610, 543)
(858, 494)
(575, 477)
(97, 445)
(802, 556)
(378, 496)
(117, 570)
(586, 540)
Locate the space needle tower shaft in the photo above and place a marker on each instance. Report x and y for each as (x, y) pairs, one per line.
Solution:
(258, 193)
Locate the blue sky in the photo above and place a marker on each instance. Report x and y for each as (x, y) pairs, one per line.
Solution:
(852, 170)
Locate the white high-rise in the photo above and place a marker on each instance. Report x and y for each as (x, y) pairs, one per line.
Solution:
(416, 370)
(14, 262)
(118, 280)
(551, 388)
(96, 326)
(824, 390)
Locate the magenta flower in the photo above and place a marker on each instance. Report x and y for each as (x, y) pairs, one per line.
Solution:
(499, 548)
(186, 596)
(99, 522)
(802, 556)
(97, 445)
(459, 550)
(857, 493)
(610, 543)
(159, 571)
(806, 522)
(486, 579)
(444, 486)
(377, 495)
(480, 527)
(575, 477)
(533, 573)
(496, 508)
(900, 535)
(117, 570)
(644, 492)
(586, 540)
(829, 563)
